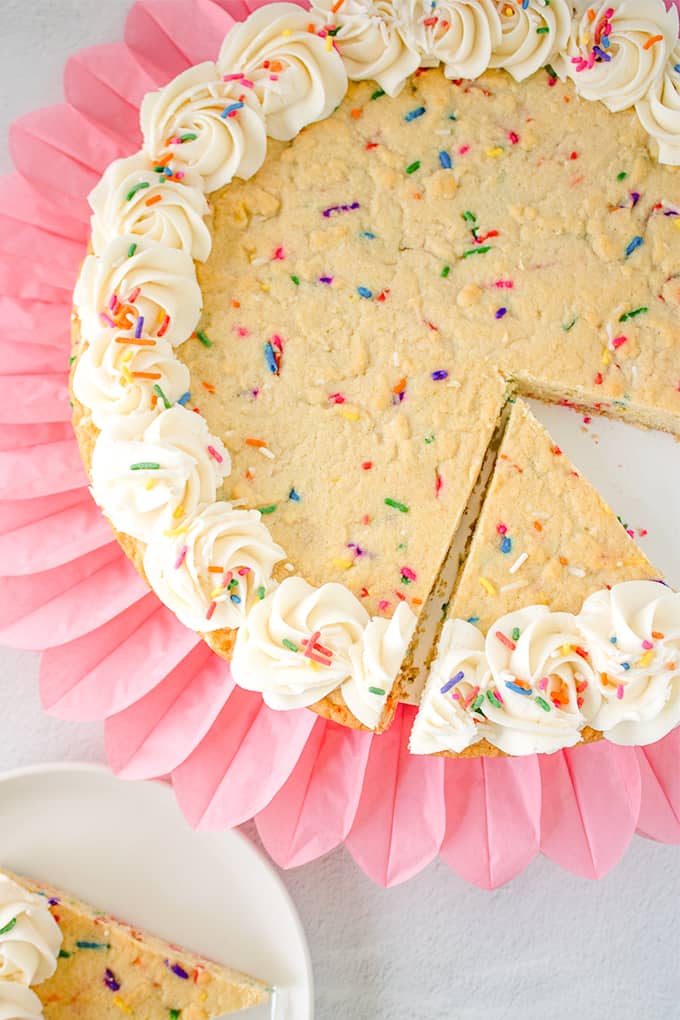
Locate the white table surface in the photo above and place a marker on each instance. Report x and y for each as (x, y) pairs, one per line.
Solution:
(547, 946)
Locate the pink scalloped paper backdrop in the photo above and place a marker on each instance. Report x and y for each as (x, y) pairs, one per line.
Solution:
(113, 652)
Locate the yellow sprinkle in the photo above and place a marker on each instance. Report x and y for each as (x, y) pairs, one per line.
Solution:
(179, 512)
(487, 586)
(646, 659)
(677, 223)
(176, 532)
(117, 1001)
(606, 356)
(496, 151)
(342, 563)
(286, 32)
(350, 415)
(565, 649)
(128, 357)
(127, 378)
(150, 484)
(216, 593)
(329, 42)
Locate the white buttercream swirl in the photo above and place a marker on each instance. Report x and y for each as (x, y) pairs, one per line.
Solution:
(211, 126)
(459, 34)
(115, 378)
(639, 34)
(19, 1003)
(269, 655)
(182, 569)
(557, 693)
(146, 501)
(525, 46)
(374, 39)
(133, 199)
(298, 76)
(135, 276)
(659, 111)
(30, 938)
(445, 720)
(376, 661)
(634, 633)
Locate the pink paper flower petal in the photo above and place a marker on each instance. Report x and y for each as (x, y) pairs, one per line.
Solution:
(24, 203)
(591, 802)
(241, 763)
(155, 734)
(401, 818)
(19, 437)
(41, 470)
(55, 260)
(660, 806)
(166, 41)
(39, 398)
(16, 513)
(313, 811)
(32, 548)
(30, 360)
(36, 322)
(117, 661)
(493, 818)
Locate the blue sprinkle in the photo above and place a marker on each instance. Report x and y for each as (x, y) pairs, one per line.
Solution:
(445, 160)
(271, 359)
(368, 234)
(440, 374)
(473, 619)
(605, 41)
(364, 292)
(506, 545)
(231, 109)
(235, 599)
(176, 969)
(295, 496)
(613, 640)
(92, 945)
(677, 68)
(452, 116)
(412, 114)
(500, 312)
(637, 242)
(626, 665)
(452, 682)
(516, 688)
(525, 4)
(184, 399)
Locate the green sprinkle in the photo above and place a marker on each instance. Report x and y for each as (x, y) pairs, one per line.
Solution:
(542, 31)
(515, 633)
(93, 945)
(429, 439)
(376, 690)
(494, 699)
(412, 167)
(71, 359)
(542, 702)
(63, 955)
(569, 325)
(378, 93)
(132, 249)
(188, 137)
(478, 702)
(290, 645)
(401, 507)
(445, 271)
(203, 338)
(622, 176)
(175, 1014)
(552, 73)
(260, 592)
(8, 926)
(159, 393)
(268, 509)
(469, 217)
(405, 580)
(631, 315)
(296, 280)
(477, 251)
(142, 465)
(138, 187)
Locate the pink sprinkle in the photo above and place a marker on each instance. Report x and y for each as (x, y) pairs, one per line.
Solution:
(463, 149)
(501, 528)
(179, 175)
(619, 692)
(243, 571)
(215, 454)
(232, 77)
(407, 572)
(647, 644)
(619, 341)
(248, 83)
(542, 684)
(514, 137)
(630, 532)
(499, 696)
(211, 609)
(500, 636)
(277, 342)
(180, 559)
(383, 605)
(134, 294)
(242, 331)
(456, 696)
(438, 485)
(164, 326)
(337, 398)
(365, 519)
(504, 284)
(113, 302)
(279, 255)
(107, 320)
(227, 578)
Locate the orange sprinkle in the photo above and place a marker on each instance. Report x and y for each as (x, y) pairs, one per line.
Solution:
(209, 387)
(336, 6)
(563, 560)
(356, 112)
(164, 160)
(255, 442)
(275, 66)
(657, 635)
(400, 386)
(417, 195)
(153, 200)
(650, 42)
(137, 343)
(591, 14)
(235, 303)
(538, 526)
(145, 375)
(154, 401)
(215, 570)
(311, 29)
(416, 602)
(249, 475)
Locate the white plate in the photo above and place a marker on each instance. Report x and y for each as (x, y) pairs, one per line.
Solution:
(126, 848)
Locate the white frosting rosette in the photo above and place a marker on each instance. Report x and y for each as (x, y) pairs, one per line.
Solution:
(211, 126)
(212, 573)
(375, 40)
(30, 938)
(659, 111)
(295, 645)
(375, 664)
(134, 199)
(19, 1003)
(133, 277)
(531, 35)
(617, 56)
(459, 34)
(633, 632)
(543, 689)
(149, 485)
(125, 380)
(459, 674)
(298, 76)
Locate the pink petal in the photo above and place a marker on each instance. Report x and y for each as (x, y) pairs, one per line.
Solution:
(400, 821)
(16, 513)
(591, 802)
(18, 437)
(165, 41)
(35, 322)
(41, 470)
(54, 540)
(107, 85)
(23, 202)
(314, 809)
(241, 763)
(157, 733)
(118, 660)
(493, 818)
(35, 398)
(31, 359)
(660, 807)
(55, 260)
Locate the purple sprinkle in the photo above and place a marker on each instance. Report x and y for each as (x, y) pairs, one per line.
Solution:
(500, 312)
(671, 212)
(111, 981)
(601, 54)
(635, 196)
(440, 374)
(452, 682)
(140, 327)
(340, 208)
(54, 901)
(176, 969)
(325, 279)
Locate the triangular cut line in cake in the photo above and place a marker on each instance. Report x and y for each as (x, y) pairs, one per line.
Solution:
(544, 536)
(107, 970)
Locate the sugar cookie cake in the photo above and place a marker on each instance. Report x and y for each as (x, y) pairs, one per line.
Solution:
(344, 246)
